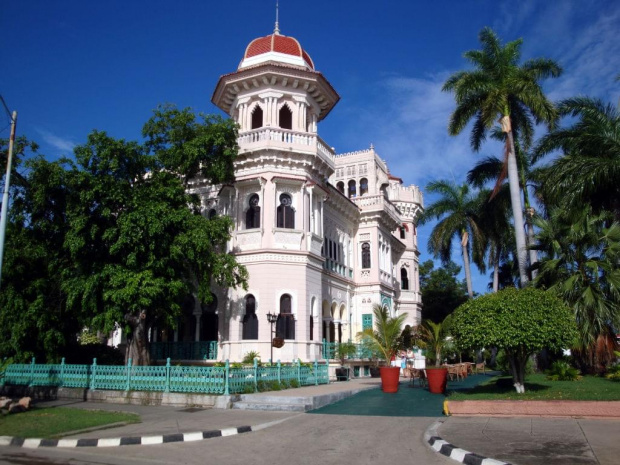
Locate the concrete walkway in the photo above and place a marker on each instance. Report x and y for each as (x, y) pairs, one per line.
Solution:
(514, 440)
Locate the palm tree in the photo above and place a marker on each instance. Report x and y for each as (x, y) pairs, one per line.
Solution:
(492, 169)
(499, 87)
(589, 171)
(434, 337)
(458, 208)
(581, 252)
(386, 337)
(495, 222)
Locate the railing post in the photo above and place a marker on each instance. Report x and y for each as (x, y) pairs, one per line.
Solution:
(31, 372)
(255, 375)
(93, 373)
(226, 375)
(62, 371)
(279, 372)
(299, 372)
(316, 372)
(167, 375)
(129, 362)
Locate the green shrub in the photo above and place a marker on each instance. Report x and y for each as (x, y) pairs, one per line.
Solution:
(613, 373)
(236, 365)
(294, 383)
(84, 355)
(248, 389)
(561, 370)
(248, 358)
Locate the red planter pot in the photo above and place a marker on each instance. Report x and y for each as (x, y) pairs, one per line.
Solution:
(390, 376)
(437, 379)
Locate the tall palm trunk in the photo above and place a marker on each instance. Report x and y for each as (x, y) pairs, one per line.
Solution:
(464, 240)
(529, 221)
(531, 240)
(515, 200)
(496, 269)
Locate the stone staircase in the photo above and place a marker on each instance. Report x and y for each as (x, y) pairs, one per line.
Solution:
(273, 403)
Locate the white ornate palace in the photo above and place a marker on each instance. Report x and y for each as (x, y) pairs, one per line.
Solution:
(324, 236)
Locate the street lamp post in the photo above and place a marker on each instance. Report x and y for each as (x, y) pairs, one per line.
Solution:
(271, 318)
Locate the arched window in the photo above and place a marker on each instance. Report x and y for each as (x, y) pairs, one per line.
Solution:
(404, 279)
(311, 328)
(285, 325)
(402, 232)
(285, 213)
(252, 216)
(352, 190)
(340, 187)
(286, 117)
(257, 117)
(363, 186)
(212, 213)
(250, 321)
(365, 255)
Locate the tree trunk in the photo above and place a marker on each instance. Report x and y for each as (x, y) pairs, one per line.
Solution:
(137, 342)
(515, 200)
(466, 264)
(496, 274)
(531, 240)
(517, 367)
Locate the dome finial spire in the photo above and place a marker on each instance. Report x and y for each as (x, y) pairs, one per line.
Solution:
(276, 29)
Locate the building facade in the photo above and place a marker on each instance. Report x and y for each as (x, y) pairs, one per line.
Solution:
(324, 236)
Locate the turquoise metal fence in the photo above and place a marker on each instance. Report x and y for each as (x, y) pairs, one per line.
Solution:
(168, 378)
(194, 350)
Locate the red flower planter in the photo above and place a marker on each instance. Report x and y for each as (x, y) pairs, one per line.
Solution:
(390, 376)
(437, 379)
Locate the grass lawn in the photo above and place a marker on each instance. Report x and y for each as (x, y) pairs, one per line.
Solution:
(53, 422)
(538, 387)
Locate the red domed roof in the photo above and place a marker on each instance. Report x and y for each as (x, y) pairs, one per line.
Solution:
(279, 44)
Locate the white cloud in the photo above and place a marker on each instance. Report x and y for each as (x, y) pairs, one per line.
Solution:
(64, 145)
(409, 127)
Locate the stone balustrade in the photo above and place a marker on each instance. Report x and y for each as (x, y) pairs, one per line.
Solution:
(285, 138)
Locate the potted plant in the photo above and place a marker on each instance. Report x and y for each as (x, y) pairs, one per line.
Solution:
(343, 351)
(433, 337)
(386, 340)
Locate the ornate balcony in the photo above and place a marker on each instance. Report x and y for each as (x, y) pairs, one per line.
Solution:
(271, 137)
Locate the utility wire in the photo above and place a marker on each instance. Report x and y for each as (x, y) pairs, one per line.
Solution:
(6, 108)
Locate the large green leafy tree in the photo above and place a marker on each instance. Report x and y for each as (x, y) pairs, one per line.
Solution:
(521, 322)
(457, 209)
(500, 88)
(588, 172)
(33, 315)
(134, 242)
(442, 291)
(581, 252)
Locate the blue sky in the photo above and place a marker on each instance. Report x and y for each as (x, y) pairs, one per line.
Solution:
(73, 66)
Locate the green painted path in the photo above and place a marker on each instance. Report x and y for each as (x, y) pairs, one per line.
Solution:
(407, 402)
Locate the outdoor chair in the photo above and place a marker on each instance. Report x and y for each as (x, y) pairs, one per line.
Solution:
(414, 374)
(481, 367)
(470, 367)
(463, 370)
(454, 371)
